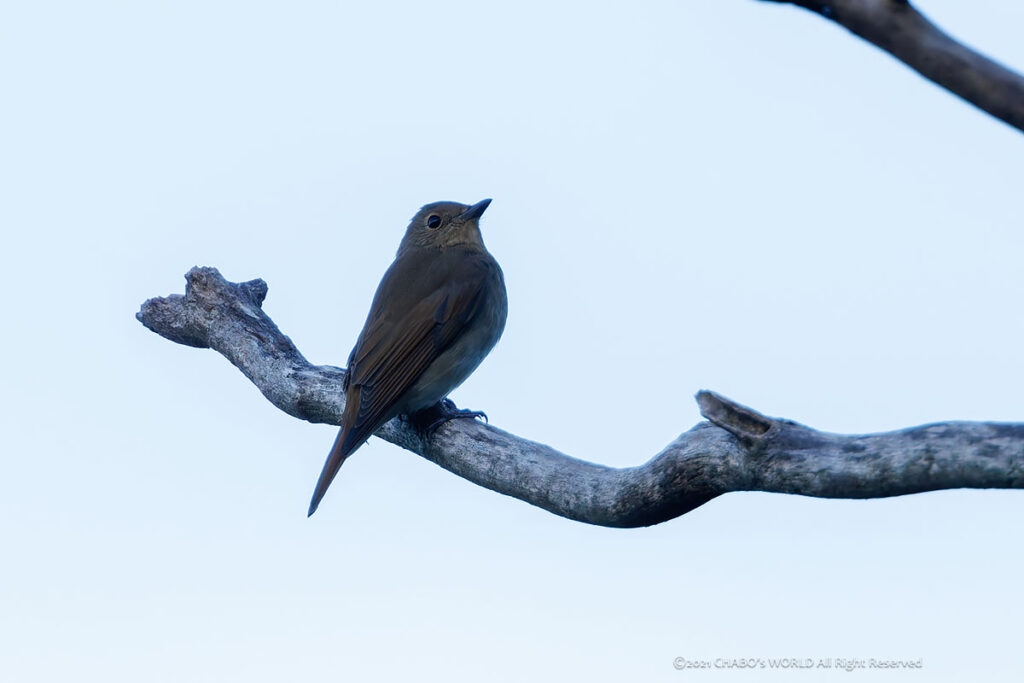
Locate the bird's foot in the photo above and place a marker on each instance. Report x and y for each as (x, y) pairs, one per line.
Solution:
(428, 420)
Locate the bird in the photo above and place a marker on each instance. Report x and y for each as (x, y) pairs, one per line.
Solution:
(438, 311)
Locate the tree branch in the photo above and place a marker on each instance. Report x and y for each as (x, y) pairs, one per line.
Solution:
(738, 450)
(899, 29)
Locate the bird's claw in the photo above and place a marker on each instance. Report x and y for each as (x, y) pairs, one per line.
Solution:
(429, 420)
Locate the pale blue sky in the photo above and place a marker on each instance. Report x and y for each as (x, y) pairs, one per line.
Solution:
(727, 195)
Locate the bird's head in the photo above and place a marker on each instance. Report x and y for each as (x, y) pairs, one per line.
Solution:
(445, 224)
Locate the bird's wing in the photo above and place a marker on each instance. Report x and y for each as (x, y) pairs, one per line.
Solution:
(394, 351)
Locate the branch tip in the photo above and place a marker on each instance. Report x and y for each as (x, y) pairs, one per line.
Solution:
(738, 420)
(255, 290)
(203, 277)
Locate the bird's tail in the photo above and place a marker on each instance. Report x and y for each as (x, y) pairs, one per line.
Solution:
(339, 453)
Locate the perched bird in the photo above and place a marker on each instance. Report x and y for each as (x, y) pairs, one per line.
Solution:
(438, 311)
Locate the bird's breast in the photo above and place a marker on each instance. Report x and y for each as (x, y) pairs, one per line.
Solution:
(455, 364)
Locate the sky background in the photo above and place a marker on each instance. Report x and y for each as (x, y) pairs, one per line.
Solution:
(735, 196)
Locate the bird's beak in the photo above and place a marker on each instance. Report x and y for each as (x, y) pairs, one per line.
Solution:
(476, 210)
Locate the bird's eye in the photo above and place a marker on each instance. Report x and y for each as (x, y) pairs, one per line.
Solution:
(434, 222)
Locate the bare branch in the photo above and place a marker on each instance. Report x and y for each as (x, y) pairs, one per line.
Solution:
(738, 450)
(899, 29)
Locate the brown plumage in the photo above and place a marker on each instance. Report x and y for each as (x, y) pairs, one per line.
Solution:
(438, 311)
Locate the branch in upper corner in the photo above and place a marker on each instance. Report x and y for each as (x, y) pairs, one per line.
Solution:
(738, 450)
(898, 28)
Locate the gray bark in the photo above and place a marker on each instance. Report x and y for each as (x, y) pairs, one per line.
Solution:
(738, 449)
(898, 28)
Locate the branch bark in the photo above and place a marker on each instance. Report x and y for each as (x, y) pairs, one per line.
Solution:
(899, 29)
(738, 449)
